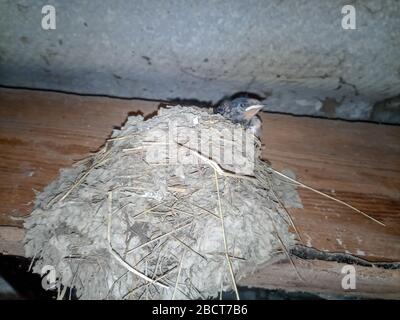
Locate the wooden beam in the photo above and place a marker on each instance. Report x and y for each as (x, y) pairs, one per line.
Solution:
(41, 132)
(325, 279)
(353, 161)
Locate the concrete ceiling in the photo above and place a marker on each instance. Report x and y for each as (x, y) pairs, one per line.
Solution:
(294, 52)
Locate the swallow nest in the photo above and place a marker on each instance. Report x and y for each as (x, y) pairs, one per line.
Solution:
(161, 212)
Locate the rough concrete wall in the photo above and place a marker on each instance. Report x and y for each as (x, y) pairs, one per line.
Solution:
(295, 50)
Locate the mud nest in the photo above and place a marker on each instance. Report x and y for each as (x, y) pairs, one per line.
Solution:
(161, 212)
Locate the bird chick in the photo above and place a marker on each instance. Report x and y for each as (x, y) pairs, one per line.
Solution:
(244, 111)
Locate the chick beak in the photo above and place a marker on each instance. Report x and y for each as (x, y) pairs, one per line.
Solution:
(251, 111)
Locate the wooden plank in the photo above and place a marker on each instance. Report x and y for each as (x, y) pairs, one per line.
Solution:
(325, 278)
(41, 132)
(356, 162)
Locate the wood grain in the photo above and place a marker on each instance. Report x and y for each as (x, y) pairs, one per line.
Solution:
(41, 132)
(355, 162)
(325, 279)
